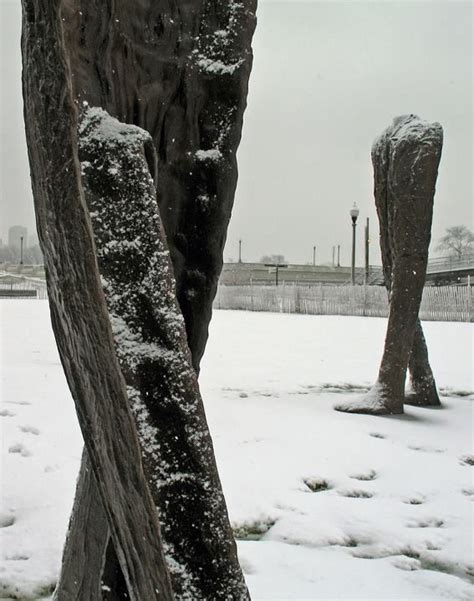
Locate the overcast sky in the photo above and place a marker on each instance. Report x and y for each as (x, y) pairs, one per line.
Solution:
(328, 77)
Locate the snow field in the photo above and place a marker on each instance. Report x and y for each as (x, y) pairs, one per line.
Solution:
(325, 505)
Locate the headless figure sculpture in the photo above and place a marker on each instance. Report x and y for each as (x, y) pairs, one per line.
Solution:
(405, 159)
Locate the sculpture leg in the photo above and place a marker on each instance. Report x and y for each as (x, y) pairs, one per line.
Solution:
(423, 392)
(90, 567)
(387, 395)
(84, 553)
(79, 315)
(162, 388)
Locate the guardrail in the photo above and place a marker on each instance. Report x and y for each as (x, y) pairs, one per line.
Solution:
(442, 264)
(17, 286)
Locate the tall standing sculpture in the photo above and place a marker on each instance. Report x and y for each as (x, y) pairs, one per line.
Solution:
(180, 72)
(405, 159)
(78, 311)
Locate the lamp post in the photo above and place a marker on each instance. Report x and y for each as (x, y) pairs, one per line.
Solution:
(21, 250)
(314, 255)
(354, 213)
(240, 251)
(367, 241)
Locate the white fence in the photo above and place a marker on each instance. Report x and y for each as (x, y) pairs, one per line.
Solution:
(439, 303)
(443, 303)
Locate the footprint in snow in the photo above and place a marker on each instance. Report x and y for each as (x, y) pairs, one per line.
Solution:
(355, 493)
(18, 402)
(6, 520)
(246, 565)
(432, 547)
(365, 476)
(30, 430)
(20, 449)
(468, 492)
(6, 413)
(17, 557)
(408, 564)
(426, 523)
(377, 435)
(414, 500)
(466, 460)
(426, 449)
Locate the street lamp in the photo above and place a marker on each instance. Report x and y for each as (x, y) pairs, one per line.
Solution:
(367, 241)
(354, 213)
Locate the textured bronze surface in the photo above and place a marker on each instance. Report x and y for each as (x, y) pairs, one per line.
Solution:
(78, 311)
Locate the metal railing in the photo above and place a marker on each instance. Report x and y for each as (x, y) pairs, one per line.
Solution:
(17, 286)
(451, 263)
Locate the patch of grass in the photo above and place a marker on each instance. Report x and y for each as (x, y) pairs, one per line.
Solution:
(317, 484)
(345, 387)
(377, 435)
(356, 494)
(467, 460)
(414, 501)
(14, 593)
(410, 552)
(456, 393)
(350, 542)
(365, 477)
(252, 530)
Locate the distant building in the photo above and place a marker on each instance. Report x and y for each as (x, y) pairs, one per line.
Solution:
(33, 240)
(15, 234)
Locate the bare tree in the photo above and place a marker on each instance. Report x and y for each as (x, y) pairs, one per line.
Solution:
(277, 259)
(458, 240)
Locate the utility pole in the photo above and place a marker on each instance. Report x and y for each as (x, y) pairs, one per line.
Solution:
(367, 241)
(21, 250)
(338, 255)
(240, 251)
(314, 255)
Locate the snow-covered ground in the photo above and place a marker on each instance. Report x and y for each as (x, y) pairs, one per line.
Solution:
(333, 506)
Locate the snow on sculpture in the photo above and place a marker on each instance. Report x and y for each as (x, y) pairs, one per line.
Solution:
(151, 346)
(405, 159)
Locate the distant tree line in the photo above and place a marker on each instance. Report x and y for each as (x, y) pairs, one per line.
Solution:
(457, 241)
(276, 259)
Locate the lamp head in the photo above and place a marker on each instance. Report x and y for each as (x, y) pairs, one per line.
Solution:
(354, 212)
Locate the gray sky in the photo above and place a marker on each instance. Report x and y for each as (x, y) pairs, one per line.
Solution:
(328, 77)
